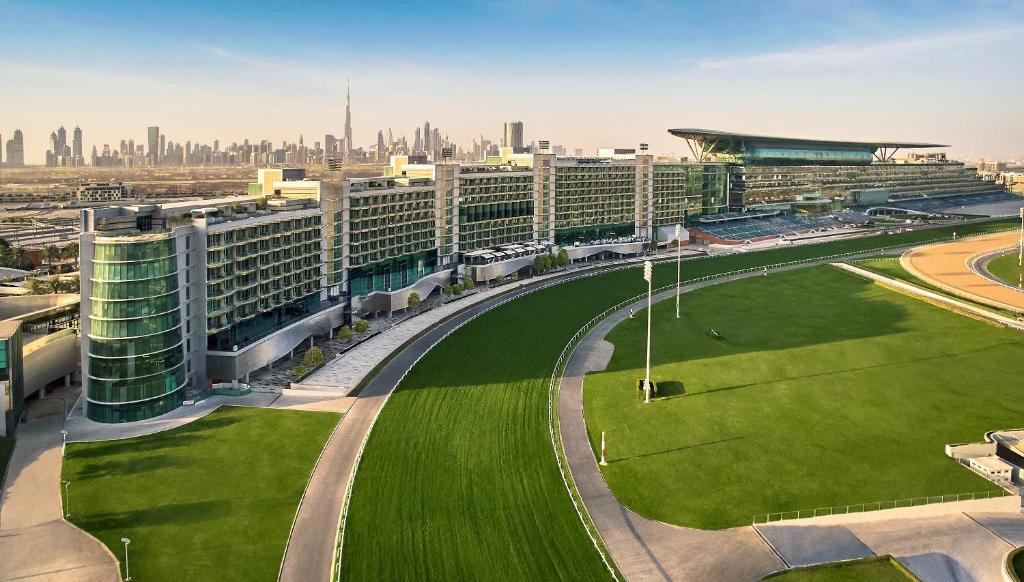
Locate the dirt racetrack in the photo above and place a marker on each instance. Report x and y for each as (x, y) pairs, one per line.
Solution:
(950, 266)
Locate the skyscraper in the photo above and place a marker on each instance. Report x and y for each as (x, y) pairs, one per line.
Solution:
(76, 141)
(348, 120)
(381, 149)
(417, 142)
(16, 150)
(62, 141)
(153, 133)
(513, 135)
(427, 145)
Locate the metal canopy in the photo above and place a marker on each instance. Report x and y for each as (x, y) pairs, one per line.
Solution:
(705, 142)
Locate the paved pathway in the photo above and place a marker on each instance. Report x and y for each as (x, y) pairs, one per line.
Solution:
(35, 541)
(948, 266)
(946, 542)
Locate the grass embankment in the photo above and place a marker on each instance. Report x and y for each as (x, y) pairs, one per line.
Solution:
(211, 500)
(1006, 268)
(458, 480)
(827, 390)
(878, 569)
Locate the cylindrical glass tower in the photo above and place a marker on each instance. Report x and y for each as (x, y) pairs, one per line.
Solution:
(136, 354)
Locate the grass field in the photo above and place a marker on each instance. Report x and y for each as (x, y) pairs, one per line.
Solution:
(879, 569)
(827, 390)
(1017, 563)
(1006, 268)
(6, 448)
(211, 500)
(458, 477)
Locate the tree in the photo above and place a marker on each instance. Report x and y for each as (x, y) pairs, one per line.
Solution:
(414, 301)
(313, 357)
(652, 246)
(49, 253)
(299, 371)
(563, 258)
(457, 289)
(446, 290)
(499, 279)
(468, 284)
(69, 252)
(345, 333)
(362, 326)
(35, 286)
(549, 262)
(538, 264)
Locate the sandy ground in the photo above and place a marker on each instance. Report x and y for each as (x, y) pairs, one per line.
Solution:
(948, 266)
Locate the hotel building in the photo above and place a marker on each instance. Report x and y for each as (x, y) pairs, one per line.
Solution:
(179, 297)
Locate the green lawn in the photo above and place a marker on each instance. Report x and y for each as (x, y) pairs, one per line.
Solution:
(880, 569)
(1006, 268)
(458, 477)
(6, 448)
(211, 500)
(827, 390)
(1017, 563)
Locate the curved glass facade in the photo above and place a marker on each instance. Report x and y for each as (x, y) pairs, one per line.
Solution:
(136, 355)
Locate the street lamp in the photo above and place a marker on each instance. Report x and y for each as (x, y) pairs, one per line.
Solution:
(67, 499)
(127, 576)
(649, 276)
(679, 264)
(63, 442)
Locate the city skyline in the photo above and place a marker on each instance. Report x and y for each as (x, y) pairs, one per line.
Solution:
(860, 71)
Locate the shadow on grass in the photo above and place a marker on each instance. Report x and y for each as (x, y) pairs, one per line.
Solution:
(169, 514)
(119, 467)
(676, 449)
(670, 389)
(131, 446)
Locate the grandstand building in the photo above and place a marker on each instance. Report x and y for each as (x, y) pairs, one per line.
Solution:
(771, 178)
(179, 297)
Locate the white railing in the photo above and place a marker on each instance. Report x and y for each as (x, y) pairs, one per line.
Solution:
(764, 518)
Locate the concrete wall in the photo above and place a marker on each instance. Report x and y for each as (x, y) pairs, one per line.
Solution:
(227, 366)
(623, 249)
(382, 301)
(48, 359)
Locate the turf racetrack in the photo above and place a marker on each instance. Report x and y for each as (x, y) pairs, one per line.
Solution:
(826, 390)
(211, 500)
(458, 480)
(1006, 268)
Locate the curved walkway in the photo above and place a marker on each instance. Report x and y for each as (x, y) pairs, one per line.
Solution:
(35, 541)
(945, 542)
(949, 267)
(310, 552)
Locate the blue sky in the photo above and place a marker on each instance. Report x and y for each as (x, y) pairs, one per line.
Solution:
(584, 74)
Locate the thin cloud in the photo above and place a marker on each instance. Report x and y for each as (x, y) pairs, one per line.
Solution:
(859, 53)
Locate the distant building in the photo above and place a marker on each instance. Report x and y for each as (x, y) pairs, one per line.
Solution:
(513, 137)
(16, 150)
(153, 135)
(617, 153)
(91, 192)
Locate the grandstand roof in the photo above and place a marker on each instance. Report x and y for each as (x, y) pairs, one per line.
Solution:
(724, 137)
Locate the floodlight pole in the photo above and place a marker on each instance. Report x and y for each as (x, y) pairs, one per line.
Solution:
(67, 499)
(679, 265)
(602, 462)
(648, 274)
(127, 576)
(1020, 253)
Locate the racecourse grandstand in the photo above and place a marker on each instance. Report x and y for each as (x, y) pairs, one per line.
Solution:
(993, 203)
(744, 226)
